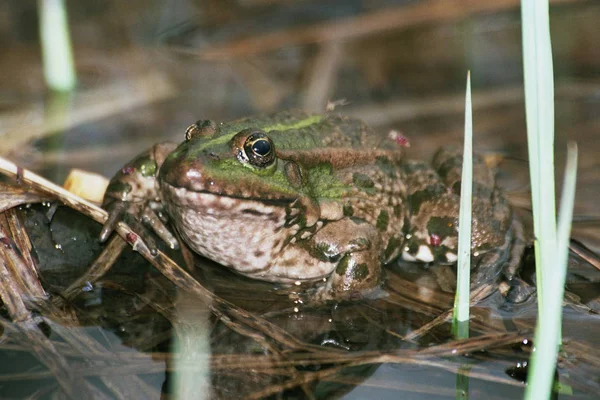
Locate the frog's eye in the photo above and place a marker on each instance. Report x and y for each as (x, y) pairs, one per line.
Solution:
(259, 149)
(202, 128)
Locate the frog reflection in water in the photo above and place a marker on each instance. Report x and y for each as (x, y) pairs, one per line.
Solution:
(296, 197)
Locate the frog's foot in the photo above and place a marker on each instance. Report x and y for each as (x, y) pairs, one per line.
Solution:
(357, 276)
(151, 218)
(516, 289)
(358, 247)
(504, 259)
(131, 194)
(139, 216)
(489, 265)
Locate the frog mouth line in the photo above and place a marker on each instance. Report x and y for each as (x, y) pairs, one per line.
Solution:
(273, 202)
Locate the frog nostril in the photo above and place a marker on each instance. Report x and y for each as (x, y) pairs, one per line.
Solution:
(201, 128)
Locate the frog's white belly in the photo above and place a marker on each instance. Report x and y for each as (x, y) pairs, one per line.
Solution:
(246, 235)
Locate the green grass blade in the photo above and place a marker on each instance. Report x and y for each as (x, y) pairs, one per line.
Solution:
(461, 301)
(539, 101)
(551, 251)
(546, 340)
(59, 69)
(563, 233)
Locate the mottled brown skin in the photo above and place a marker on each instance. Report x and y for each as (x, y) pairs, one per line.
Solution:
(332, 201)
(494, 231)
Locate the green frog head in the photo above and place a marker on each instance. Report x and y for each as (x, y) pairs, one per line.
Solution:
(277, 158)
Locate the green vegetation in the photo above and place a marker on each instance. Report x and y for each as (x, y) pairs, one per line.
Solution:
(460, 320)
(551, 250)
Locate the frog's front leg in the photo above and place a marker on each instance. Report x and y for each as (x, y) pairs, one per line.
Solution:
(358, 247)
(133, 190)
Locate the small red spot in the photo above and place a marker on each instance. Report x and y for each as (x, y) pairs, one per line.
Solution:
(403, 141)
(399, 138)
(128, 170)
(435, 240)
(6, 242)
(132, 238)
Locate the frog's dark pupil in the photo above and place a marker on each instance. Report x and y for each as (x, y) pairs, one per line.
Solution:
(261, 147)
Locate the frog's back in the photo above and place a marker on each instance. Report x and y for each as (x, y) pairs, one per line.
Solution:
(297, 130)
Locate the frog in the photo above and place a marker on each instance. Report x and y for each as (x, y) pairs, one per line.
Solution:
(294, 197)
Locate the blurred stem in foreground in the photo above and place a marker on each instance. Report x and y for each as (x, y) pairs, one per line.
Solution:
(59, 69)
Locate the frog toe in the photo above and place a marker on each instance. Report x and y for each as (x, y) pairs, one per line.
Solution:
(518, 291)
(128, 212)
(116, 212)
(356, 276)
(149, 218)
(143, 232)
(488, 268)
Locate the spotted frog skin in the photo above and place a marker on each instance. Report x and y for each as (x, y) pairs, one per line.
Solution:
(294, 197)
